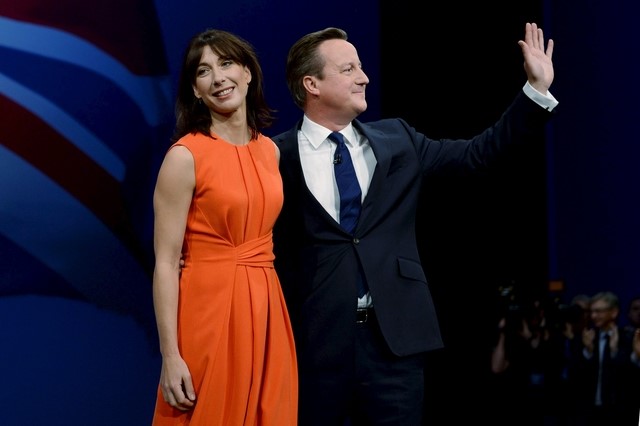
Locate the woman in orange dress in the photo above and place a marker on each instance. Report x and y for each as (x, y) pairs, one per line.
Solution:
(228, 355)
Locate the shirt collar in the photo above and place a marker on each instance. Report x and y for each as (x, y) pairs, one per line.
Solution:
(317, 134)
(604, 333)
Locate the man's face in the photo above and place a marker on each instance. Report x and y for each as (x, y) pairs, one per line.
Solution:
(342, 90)
(634, 313)
(602, 315)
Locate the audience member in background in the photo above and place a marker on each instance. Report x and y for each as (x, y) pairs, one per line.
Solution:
(228, 354)
(527, 364)
(633, 316)
(572, 320)
(606, 368)
(362, 353)
(582, 315)
(632, 333)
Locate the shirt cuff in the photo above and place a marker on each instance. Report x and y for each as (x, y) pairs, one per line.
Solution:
(546, 101)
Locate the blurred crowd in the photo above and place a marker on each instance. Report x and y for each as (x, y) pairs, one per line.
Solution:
(567, 364)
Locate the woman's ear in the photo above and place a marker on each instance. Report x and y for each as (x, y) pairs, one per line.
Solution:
(249, 76)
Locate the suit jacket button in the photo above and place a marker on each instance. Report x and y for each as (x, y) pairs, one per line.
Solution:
(356, 241)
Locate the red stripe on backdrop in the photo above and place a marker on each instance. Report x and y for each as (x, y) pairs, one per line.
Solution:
(126, 29)
(48, 151)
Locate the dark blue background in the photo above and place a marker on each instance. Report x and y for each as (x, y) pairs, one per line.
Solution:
(76, 351)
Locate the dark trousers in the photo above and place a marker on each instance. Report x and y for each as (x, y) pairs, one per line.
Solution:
(380, 389)
(613, 415)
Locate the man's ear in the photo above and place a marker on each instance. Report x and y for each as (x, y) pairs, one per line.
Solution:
(310, 85)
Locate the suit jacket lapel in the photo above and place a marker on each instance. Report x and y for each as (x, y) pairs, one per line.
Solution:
(291, 171)
(377, 141)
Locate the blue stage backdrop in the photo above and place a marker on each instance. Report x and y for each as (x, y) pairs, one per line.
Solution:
(594, 232)
(86, 102)
(86, 94)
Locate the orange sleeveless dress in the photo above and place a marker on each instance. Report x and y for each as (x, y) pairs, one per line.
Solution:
(234, 331)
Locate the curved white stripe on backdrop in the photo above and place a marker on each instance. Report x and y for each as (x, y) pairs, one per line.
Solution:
(68, 239)
(66, 125)
(151, 94)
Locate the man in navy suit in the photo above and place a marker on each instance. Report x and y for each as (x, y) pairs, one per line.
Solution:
(361, 359)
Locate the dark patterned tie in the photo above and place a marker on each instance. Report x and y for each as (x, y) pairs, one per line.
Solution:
(348, 185)
(605, 374)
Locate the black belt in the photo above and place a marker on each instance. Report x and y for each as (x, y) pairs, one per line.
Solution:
(363, 315)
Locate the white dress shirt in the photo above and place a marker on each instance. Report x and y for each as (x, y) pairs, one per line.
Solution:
(316, 156)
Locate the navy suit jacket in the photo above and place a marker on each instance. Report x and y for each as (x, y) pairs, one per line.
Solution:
(318, 261)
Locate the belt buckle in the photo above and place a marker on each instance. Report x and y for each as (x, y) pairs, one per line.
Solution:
(362, 315)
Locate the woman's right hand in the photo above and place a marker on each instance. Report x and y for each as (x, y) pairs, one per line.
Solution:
(175, 383)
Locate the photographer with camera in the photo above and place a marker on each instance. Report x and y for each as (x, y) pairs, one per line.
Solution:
(527, 360)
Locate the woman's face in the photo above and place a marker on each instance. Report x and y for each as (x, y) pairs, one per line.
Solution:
(221, 83)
